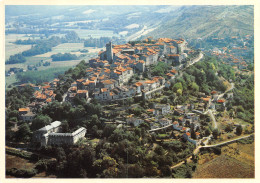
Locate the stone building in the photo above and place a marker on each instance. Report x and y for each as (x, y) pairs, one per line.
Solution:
(49, 135)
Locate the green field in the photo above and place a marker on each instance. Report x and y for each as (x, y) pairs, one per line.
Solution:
(72, 48)
(10, 80)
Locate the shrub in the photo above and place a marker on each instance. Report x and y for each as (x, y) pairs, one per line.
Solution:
(21, 173)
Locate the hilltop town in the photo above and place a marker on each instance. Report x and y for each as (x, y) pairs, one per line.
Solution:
(129, 91)
(156, 89)
(108, 75)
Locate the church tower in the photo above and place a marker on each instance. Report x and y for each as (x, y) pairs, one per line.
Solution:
(109, 52)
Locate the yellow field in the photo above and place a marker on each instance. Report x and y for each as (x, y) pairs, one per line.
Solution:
(236, 161)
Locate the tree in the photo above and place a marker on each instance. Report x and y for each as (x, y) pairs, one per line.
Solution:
(229, 128)
(58, 97)
(215, 133)
(159, 150)
(40, 121)
(207, 132)
(23, 133)
(106, 166)
(194, 87)
(239, 130)
(166, 171)
(177, 86)
(108, 130)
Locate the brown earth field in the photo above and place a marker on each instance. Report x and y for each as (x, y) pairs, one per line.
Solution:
(20, 163)
(236, 161)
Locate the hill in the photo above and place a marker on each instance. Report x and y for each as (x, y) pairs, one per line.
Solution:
(205, 21)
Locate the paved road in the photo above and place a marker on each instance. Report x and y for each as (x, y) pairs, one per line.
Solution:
(160, 128)
(213, 118)
(196, 59)
(231, 88)
(226, 142)
(140, 33)
(196, 151)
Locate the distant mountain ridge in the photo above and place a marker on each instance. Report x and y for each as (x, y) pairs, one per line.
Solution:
(195, 21)
(205, 21)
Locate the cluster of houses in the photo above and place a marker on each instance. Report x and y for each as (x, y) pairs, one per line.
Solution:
(235, 55)
(50, 135)
(109, 73)
(14, 70)
(158, 120)
(42, 96)
(107, 79)
(188, 121)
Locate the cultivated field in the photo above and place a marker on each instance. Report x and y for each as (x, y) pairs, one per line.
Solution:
(11, 49)
(20, 163)
(17, 162)
(236, 161)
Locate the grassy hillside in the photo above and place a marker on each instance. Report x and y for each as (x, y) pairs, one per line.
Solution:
(204, 21)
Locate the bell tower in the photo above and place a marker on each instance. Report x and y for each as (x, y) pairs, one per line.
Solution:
(109, 52)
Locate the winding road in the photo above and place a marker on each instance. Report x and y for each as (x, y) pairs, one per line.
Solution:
(231, 88)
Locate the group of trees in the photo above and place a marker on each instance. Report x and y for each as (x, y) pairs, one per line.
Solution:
(243, 101)
(200, 77)
(40, 76)
(160, 69)
(17, 58)
(71, 75)
(97, 42)
(40, 46)
(15, 99)
(206, 75)
(120, 154)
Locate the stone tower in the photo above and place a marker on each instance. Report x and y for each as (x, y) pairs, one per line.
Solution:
(109, 52)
